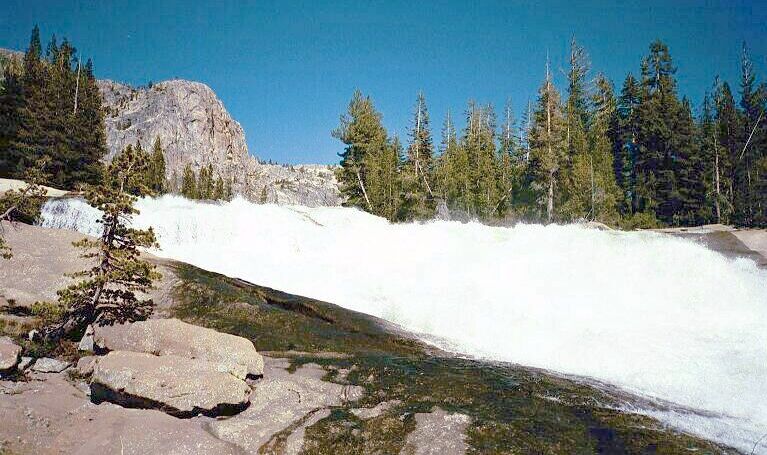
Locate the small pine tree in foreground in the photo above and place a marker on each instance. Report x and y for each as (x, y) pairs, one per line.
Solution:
(109, 292)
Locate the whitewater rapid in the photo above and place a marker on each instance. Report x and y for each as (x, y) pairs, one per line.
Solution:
(655, 315)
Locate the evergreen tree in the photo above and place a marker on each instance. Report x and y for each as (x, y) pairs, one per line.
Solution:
(386, 182)
(575, 172)
(715, 204)
(728, 125)
(749, 203)
(624, 139)
(53, 110)
(453, 179)
(11, 105)
(108, 292)
(661, 148)
(689, 166)
(478, 144)
(189, 183)
(219, 192)
(205, 185)
(509, 160)
(548, 148)
(158, 184)
(417, 169)
(363, 134)
(137, 182)
(606, 196)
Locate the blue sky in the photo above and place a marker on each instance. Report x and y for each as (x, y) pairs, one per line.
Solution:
(286, 69)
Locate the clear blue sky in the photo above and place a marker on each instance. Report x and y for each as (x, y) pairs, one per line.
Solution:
(286, 69)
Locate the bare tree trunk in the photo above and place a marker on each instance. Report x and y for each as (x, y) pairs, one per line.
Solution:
(716, 179)
(591, 167)
(364, 193)
(550, 201)
(77, 86)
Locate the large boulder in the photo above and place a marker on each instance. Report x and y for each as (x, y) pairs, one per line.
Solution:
(229, 353)
(51, 415)
(10, 354)
(179, 386)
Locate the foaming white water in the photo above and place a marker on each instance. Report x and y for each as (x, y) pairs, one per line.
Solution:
(655, 315)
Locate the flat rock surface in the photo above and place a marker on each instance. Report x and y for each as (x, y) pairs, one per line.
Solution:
(177, 385)
(9, 353)
(49, 415)
(13, 184)
(42, 257)
(162, 337)
(281, 400)
(48, 365)
(437, 433)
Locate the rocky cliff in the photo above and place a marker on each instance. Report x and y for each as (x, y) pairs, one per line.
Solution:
(195, 128)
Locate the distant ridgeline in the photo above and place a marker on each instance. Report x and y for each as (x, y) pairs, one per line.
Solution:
(637, 160)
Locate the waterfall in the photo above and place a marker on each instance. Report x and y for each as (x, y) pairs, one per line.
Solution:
(653, 314)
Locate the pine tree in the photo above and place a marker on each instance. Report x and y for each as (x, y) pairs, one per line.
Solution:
(138, 181)
(11, 105)
(749, 203)
(386, 182)
(363, 134)
(575, 172)
(219, 193)
(158, 184)
(417, 169)
(189, 183)
(660, 113)
(689, 169)
(477, 148)
(54, 111)
(605, 193)
(205, 185)
(508, 160)
(108, 292)
(547, 150)
(728, 124)
(715, 204)
(624, 138)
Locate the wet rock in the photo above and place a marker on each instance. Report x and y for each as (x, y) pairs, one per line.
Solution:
(437, 433)
(179, 386)
(9, 354)
(229, 353)
(48, 365)
(295, 442)
(377, 410)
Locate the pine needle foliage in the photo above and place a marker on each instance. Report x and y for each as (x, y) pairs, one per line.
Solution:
(113, 290)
